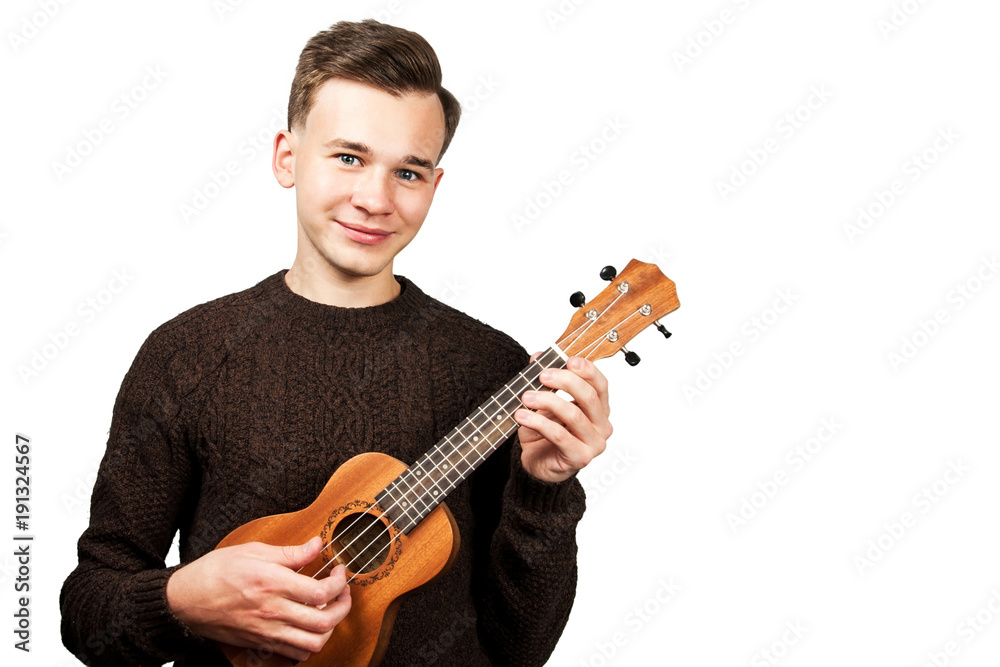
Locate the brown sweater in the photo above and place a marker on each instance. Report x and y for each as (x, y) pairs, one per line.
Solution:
(245, 406)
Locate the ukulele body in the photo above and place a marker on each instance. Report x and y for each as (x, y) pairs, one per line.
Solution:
(387, 563)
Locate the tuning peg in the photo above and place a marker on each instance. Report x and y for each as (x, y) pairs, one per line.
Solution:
(662, 329)
(577, 299)
(608, 273)
(631, 358)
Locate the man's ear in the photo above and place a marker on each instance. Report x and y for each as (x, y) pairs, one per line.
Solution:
(438, 173)
(283, 158)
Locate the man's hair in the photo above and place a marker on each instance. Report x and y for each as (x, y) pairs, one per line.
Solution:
(388, 58)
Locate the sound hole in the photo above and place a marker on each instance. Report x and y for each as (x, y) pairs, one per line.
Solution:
(361, 543)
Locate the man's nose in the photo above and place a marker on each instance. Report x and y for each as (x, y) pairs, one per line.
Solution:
(372, 193)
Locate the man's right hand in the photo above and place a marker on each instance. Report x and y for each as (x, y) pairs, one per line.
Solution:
(250, 595)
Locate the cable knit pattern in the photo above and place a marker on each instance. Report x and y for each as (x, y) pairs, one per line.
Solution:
(245, 406)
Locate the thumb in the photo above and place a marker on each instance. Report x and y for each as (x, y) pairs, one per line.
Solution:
(296, 555)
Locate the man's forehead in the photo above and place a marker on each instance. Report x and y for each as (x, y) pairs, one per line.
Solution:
(345, 112)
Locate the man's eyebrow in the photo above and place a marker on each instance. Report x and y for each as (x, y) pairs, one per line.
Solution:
(358, 147)
(349, 145)
(418, 162)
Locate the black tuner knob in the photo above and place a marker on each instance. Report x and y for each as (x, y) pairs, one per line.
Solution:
(577, 299)
(608, 273)
(631, 358)
(663, 330)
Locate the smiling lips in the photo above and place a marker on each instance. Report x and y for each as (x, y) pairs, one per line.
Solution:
(363, 234)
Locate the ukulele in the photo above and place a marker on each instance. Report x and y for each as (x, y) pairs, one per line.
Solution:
(386, 522)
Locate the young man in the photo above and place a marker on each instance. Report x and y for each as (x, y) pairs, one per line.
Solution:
(245, 406)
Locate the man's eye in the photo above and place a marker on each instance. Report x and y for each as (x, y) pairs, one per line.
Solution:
(349, 160)
(408, 175)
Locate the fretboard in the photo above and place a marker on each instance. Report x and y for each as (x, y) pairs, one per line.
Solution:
(424, 485)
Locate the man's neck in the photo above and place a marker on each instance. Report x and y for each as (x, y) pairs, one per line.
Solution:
(343, 291)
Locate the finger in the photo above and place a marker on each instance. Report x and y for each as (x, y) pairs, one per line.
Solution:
(568, 415)
(592, 375)
(292, 556)
(313, 619)
(574, 453)
(306, 590)
(261, 648)
(291, 652)
(300, 644)
(592, 400)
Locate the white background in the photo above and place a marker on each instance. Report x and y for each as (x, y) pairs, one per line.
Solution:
(685, 456)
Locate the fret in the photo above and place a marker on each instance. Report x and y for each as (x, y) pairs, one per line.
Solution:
(424, 485)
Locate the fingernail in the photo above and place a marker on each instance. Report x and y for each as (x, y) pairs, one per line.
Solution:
(528, 398)
(545, 375)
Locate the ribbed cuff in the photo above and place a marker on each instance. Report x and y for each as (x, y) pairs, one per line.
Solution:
(157, 623)
(537, 495)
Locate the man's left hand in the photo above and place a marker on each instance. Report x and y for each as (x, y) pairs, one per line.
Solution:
(560, 437)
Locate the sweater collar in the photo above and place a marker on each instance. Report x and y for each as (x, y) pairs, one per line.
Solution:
(370, 318)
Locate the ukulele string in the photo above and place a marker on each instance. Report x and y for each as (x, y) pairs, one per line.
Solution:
(439, 446)
(392, 523)
(455, 449)
(592, 322)
(482, 458)
(405, 513)
(597, 342)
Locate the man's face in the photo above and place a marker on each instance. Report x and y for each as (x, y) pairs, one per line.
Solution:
(363, 170)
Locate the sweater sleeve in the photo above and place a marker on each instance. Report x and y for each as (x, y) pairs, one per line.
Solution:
(529, 582)
(114, 607)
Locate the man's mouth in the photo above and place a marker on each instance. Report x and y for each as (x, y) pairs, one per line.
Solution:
(362, 234)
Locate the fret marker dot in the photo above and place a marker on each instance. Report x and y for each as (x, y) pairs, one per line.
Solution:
(404, 503)
(444, 467)
(419, 473)
(475, 438)
(435, 492)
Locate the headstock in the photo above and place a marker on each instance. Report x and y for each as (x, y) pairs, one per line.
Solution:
(634, 300)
